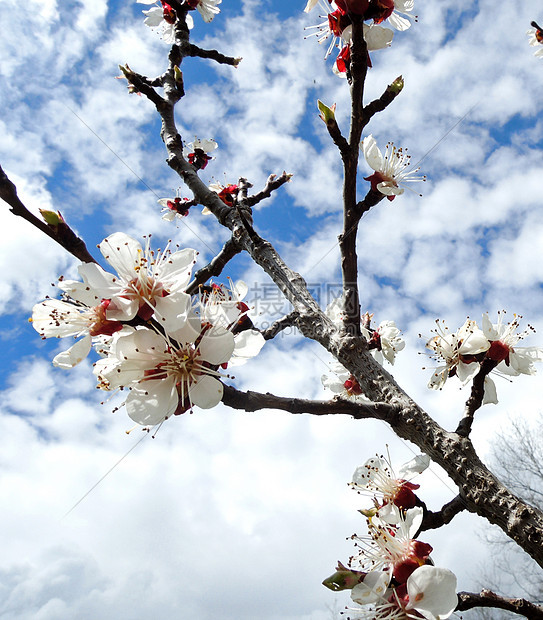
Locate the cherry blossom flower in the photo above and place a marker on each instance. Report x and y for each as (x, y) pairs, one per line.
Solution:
(536, 38)
(390, 545)
(197, 152)
(390, 169)
(377, 477)
(207, 8)
(342, 383)
(335, 24)
(459, 351)
(223, 307)
(174, 207)
(164, 16)
(167, 375)
(338, 26)
(396, 11)
(147, 284)
(512, 360)
(430, 592)
(82, 315)
(227, 193)
(385, 341)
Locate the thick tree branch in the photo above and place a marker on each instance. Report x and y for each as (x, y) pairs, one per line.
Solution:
(486, 598)
(59, 232)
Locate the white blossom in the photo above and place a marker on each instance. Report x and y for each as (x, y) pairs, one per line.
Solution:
(458, 351)
(390, 168)
(147, 283)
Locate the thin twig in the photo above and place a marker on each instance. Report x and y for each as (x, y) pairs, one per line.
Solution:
(215, 266)
(274, 182)
(60, 232)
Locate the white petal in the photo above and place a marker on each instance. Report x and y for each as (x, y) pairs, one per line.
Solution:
(80, 292)
(153, 17)
(175, 271)
(247, 345)
(152, 401)
(123, 253)
(490, 397)
(216, 346)
(399, 22)
(206, 393)
(377, 37)
(432, 592)
(171, 311)
(372, 154)
(372, 588)
(75, 354)
(311, 4)
(414, 466)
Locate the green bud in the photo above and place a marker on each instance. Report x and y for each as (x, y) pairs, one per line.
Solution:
(369, 513)
(177, 74)
(326, 113)
(396, 86)
(343, 579)
(52, 218)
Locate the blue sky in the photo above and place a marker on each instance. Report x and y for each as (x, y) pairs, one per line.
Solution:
(231, 515)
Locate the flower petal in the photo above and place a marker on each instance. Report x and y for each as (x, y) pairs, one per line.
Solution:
(152, 402)
(75, 354)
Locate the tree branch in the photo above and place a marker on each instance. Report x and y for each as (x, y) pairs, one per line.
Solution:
(194, 50)
(274, 182)
(59, 232)
(487, 598)
(434, 520)
(289, 320)
(215, 266)
(254, 401)
(477, 395)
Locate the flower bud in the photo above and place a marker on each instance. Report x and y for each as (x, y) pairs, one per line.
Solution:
(52, 218)
(397, 86)
(326, 113)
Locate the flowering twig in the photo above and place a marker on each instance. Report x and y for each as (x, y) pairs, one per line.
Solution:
(59, 231)
(487, 598)
(434, 520)
(274, 182)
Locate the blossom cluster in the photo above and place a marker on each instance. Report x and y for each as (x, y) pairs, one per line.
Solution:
(339, 17)
(167, 348)
(392, 575)
(493, 347)
(162, 15)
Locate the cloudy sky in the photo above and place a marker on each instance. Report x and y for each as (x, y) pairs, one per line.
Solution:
(225, 514)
